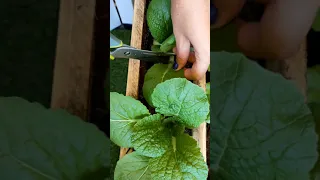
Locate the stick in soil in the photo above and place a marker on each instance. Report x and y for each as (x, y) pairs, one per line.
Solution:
(200, 133)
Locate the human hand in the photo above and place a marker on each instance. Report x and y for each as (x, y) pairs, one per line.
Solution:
(191, 26)
(280, 32)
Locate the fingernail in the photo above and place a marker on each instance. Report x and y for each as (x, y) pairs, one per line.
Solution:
(175, 64)
(213, 13)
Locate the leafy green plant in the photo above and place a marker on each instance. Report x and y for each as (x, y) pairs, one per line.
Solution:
(162, 149)
(36, 143)
(261, 127)
(160, 25)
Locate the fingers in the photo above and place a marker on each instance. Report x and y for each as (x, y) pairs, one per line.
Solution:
(198, 70)
(282, 29)
(200, 66)
(192, 57)
(182, 51)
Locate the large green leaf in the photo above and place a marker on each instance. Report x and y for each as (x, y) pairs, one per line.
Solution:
(183, 161)
(36, 143)
(158, 73)
(183, 99)
(151, 137)
(124, 113)
(132, 167)
(262, 128)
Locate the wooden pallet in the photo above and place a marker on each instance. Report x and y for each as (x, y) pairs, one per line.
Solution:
(136, 72)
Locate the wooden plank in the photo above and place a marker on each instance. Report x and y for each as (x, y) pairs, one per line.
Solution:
(293, 68)
(71, 81)
(200, 133)
(134, 64)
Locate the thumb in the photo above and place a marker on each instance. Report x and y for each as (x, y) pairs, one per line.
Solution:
(182, 51)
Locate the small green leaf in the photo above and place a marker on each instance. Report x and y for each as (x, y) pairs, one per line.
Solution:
(183, 99)
(124, 113)
(132, 167)
(159, 19)
(158, 73)
(262, 127)
(151, 138)
(37, 143)
(168, 44)
(183, 161)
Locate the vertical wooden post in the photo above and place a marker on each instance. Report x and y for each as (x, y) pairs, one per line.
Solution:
(71, 81)
(134, 64)
(200, 133)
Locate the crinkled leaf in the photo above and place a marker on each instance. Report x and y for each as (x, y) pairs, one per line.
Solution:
(159, 19)
(313, 76)
(183, 161)
(150, 136)
(37, 143)
(262, 128)
(158, 73)
(183, 99)
(124, 113)
(132, 167)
